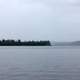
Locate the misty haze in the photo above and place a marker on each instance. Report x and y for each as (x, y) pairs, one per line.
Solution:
(39, 39)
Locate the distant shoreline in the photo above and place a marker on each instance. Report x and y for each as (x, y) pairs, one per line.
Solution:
(75, 43)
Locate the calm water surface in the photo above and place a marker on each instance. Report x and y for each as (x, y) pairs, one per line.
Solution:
(39, 63)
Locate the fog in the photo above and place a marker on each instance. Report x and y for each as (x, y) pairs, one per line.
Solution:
(55, 20)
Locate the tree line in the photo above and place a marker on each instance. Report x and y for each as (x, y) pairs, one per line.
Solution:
(23, 43)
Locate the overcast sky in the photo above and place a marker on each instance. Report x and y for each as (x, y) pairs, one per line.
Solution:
(57, 20)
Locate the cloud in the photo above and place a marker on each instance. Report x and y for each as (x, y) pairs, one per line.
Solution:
(50, 19)
(74, 2)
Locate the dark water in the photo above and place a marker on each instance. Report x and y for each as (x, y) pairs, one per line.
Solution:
(39, 63)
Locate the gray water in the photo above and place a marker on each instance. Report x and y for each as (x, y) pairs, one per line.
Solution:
(39, 63)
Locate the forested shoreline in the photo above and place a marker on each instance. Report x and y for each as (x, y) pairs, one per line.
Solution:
(23, 43)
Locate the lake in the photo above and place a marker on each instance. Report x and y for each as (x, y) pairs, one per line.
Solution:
(40, 63)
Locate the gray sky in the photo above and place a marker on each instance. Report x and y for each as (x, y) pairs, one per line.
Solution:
(57, 20)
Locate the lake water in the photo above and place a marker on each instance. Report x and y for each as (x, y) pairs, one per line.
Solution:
(40, 63)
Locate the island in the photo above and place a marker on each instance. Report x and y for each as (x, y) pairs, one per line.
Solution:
(10, 42)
